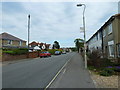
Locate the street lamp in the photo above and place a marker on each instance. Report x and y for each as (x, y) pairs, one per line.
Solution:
(28, 32)
(85, 56)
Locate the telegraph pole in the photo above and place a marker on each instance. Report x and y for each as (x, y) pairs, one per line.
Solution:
(28, 32)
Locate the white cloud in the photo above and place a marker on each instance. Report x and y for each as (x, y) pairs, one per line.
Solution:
(56, 20)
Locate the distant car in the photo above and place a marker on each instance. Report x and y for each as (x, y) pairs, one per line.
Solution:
(57, 52)
(64, 52)
(45, 54)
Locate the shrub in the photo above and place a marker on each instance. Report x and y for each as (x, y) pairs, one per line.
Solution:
(17, 51)
(9, 52)
(94, 58)
(52, 51)
(107, 72)
(91, 67)
(117, 68)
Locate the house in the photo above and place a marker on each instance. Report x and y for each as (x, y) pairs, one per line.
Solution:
(95, 42)
(41, 45)
(111, 37)
(10, 41)
(107, 38)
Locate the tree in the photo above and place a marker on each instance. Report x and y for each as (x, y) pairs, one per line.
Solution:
(56, 45)
(79, 43)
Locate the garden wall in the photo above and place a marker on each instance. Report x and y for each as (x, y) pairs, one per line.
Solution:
(33, 54)
(8, 57)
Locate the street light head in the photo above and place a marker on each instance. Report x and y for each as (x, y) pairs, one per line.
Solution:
(29, 16)
(79, 5)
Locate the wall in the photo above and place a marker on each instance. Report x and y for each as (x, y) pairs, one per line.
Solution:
(94, 43)
(14, 43)
(23, 43)
(8, 57)
(33, 54)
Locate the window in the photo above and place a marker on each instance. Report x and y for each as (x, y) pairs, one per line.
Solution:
(104, 33)
(111, 48)
(97, 37)
(100, 35)
(118, 50)
(110, 28)
(20, 43)
(9, 42)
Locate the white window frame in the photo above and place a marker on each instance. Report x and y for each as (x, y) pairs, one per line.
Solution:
(104, 33)
(110, 28)
(9, 42)
(20, 43)
(111, 44)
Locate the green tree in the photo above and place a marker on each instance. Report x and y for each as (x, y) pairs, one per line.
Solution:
(79, 43)
(56, 45)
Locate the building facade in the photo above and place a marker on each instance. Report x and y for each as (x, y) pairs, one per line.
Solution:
(95, 42)
(41, 45)
(109, 38)
(10, 41)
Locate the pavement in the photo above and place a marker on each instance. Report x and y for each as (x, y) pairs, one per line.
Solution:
(73, 75)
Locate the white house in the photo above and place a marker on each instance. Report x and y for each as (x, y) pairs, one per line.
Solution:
(95, 42)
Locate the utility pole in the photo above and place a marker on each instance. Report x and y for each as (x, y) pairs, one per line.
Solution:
(28, 32)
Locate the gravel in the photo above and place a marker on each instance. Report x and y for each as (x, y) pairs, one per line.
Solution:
(103, 81)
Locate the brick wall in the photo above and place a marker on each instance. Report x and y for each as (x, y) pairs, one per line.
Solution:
(33, 54)
(8, 57)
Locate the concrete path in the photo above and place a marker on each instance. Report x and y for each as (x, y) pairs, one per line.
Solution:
(74, 75)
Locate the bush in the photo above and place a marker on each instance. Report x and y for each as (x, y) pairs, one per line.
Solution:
(52, 51)
(94, 58)
(9, 52)
(17, 51)
(107, 72)
(117, 68)
(91, 67)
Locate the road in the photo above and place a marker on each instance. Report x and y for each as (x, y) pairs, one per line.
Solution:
(33, 73)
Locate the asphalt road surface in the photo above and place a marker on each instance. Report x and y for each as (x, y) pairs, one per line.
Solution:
(35, 73)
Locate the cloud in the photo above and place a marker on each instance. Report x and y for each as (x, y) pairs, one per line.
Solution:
(51, 21)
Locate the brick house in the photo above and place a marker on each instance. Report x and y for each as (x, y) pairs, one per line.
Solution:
(40, 45)
(10, 41)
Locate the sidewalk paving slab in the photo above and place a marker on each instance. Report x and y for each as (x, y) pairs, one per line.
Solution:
(74, 75)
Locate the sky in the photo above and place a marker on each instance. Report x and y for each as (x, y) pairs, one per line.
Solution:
(54, 21)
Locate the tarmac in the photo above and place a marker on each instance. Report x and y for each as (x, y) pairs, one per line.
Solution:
(74, 75)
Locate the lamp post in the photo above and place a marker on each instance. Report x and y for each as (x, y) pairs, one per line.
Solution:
(85, 56)
(28, 32)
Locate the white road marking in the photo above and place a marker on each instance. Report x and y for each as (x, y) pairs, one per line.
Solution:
(64, 71)
(57, 74)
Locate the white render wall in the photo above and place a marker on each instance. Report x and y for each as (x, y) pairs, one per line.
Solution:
(94, 43)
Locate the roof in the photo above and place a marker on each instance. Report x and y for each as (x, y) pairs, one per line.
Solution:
(41, 44)
(106, 23)
(34, 43)
(7, 36)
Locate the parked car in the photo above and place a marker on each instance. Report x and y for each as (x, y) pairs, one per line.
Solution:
(64, 52)
(57, 52)
(45, 54)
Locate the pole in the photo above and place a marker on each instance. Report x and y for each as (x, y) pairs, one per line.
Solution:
(28, 33)
(85, 56)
